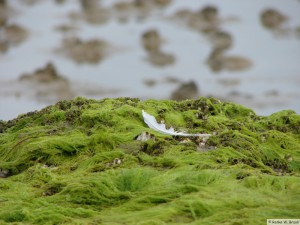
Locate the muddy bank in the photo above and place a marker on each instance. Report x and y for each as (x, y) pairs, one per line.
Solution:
(96, 161)
(47, 85)
(236, 52)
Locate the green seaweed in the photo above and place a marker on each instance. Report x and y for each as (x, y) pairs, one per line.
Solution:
(79, 162)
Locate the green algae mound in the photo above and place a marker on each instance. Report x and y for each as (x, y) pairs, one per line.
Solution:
(81, 162)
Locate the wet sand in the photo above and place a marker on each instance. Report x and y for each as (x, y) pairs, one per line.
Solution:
(246, 53)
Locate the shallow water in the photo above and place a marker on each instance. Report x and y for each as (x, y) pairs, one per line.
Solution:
(272, 83)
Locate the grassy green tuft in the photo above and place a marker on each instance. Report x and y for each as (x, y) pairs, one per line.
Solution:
(79, 162)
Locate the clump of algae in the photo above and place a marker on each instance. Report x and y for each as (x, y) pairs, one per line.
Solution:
(78, 162)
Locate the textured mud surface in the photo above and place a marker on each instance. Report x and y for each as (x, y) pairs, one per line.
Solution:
(96, 162)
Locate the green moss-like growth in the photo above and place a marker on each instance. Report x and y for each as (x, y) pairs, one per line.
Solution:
(79, 162)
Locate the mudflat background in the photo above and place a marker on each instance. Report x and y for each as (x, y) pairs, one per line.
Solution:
(53, 50)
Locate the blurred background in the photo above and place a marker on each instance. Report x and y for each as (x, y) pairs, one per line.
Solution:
(245, 52)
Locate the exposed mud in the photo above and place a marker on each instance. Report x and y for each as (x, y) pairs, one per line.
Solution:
(154, 39)
(91, 51)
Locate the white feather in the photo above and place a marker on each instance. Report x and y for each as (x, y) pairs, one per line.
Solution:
(152, 123)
